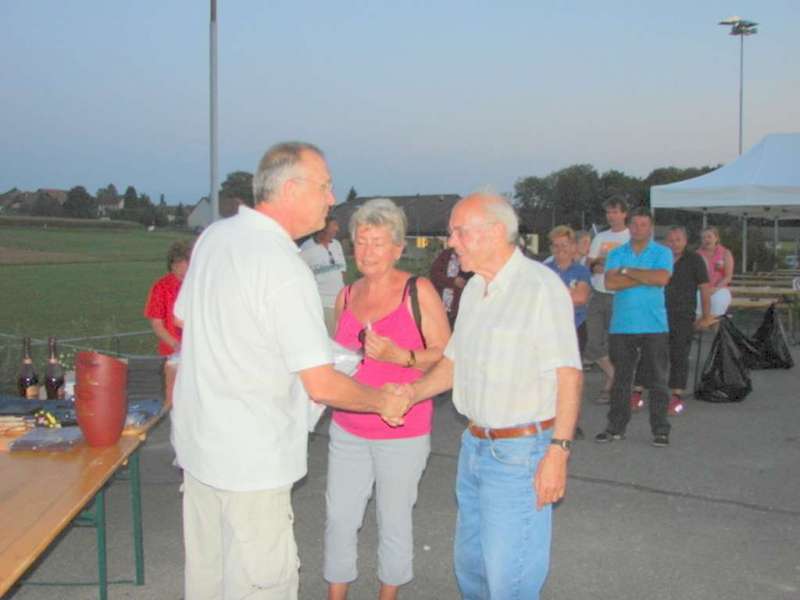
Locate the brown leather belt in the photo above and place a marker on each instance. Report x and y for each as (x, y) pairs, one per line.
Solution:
(485, 433)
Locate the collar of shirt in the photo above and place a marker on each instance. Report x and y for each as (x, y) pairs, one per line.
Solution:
(648, 247)
(506, 275)
(259, 220)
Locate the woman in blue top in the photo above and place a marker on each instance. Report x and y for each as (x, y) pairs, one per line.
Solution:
(576, 277)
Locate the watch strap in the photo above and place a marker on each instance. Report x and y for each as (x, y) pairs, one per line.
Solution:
(563, 444)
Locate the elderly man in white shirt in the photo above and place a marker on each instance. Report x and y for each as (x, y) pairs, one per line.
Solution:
(252, 325)
(515, 370)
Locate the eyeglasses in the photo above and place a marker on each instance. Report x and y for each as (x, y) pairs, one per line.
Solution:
(325, 188)
(330, 255)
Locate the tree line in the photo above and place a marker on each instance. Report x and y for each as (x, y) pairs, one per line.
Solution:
(130, 206)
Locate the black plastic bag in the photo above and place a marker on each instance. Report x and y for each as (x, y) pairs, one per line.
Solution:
(725, 378)
(749, 352)
(770, 341)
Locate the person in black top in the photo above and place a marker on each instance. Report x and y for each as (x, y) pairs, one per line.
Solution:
(689, 275)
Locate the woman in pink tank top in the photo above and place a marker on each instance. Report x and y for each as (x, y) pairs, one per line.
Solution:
(375, 316)
(719, 261)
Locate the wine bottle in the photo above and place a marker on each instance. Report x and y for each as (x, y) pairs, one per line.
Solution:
(54, 374)
(27, 380)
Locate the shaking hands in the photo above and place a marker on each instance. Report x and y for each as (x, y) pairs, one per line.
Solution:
(397, 400)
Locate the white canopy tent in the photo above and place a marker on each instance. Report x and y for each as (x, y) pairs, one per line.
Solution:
(764, 182)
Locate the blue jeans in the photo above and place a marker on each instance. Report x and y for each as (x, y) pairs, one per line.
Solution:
(502, 543)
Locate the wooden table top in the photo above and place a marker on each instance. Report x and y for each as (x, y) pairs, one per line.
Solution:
(40, 494)
(764, 292)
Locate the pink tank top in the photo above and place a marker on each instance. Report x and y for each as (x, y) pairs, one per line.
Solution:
(716, 264)
(400, 327)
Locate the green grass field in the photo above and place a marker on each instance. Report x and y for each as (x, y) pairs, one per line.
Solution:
(86, 282)
(76, 283)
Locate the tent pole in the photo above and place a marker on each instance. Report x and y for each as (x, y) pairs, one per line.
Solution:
(744, 243)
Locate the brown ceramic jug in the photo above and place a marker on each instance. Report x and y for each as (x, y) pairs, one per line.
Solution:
(101, 400)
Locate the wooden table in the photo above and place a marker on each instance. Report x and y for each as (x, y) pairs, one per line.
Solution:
(760, 298)
(41, 493)
(765, 291)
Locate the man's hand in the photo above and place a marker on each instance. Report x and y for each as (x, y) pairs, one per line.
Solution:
(705, 322)
(550, 482)
(396, 402)
(382, 348)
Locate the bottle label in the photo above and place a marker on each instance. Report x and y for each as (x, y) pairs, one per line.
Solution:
(32, 392)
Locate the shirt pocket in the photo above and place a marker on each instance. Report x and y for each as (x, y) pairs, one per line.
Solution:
(506, 350)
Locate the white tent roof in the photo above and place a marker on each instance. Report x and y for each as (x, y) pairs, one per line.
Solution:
(763, 182)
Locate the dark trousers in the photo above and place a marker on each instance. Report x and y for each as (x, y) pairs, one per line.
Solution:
(624, 350)
(681, 330)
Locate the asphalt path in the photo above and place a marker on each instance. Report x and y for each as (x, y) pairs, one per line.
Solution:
(714, 516)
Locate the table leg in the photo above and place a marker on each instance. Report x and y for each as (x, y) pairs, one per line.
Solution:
(100, 524)
(136, 510)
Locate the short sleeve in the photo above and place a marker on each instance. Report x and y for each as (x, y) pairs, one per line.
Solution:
(556, 339)
(299, 325)
(156, 306)
(665, 259)
(700, 270)
(614, 259)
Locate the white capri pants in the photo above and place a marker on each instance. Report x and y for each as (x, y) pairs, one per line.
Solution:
(395, 466)
(720, 301)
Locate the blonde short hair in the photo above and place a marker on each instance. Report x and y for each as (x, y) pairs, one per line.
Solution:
(562, 231)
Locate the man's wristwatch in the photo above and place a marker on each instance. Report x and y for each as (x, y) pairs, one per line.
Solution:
(565, 445)
(623, 271)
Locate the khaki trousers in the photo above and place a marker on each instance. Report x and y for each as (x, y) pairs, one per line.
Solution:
(238, 544)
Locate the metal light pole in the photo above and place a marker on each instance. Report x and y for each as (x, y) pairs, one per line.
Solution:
(212, 65)
(741, 28)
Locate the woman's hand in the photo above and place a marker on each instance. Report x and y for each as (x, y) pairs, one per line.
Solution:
(382, 348)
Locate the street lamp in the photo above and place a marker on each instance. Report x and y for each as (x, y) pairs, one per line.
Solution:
(741, 28)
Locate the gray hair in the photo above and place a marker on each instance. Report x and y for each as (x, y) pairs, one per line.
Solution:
(380, 212)
(500, 210)
(279, 164)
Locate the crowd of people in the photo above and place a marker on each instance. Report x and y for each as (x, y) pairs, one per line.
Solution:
(507, 336)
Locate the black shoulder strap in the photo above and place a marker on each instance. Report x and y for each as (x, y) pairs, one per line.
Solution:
(411, 288)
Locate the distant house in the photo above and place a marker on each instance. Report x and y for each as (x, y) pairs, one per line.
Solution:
(106, 205)
(200, 216)
(427, 214)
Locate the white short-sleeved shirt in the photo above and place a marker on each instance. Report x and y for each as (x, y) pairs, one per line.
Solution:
(603, 243)
(252, 319)
(509, 339)
(327, 264)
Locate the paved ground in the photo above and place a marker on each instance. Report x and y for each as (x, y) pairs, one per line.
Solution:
(716, 515)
